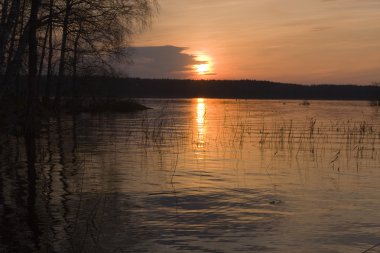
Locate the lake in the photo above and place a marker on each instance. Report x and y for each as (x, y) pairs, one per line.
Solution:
(197, 175)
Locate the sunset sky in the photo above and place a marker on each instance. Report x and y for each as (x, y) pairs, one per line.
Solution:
(299, 41)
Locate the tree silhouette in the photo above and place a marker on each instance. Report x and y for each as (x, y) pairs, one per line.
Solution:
(64, 38)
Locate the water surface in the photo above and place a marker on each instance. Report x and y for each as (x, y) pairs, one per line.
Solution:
(197, 175)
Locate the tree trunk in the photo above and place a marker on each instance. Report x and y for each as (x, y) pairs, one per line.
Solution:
(75, 62)
(62, 60)
(7, 27)
(42, 58)
(32, 42)
(50, 55)
(14, 65)
(14, 61)
(4, 12)
(3, 20)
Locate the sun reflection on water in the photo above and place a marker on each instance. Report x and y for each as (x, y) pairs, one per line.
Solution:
(201, 126)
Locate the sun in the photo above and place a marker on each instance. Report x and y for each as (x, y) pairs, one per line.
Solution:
(202, 69)
(205, 65)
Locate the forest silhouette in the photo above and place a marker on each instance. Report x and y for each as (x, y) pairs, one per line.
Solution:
(244, 89)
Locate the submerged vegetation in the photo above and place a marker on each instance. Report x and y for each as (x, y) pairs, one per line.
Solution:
(374, 103)
(327, 144)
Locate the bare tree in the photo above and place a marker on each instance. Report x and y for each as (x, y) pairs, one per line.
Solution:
(97, 30)
(77, 34)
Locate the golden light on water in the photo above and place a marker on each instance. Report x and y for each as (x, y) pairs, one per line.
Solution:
(201, 112)
(200, 119)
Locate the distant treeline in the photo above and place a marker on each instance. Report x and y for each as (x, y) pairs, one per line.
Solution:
(245, 89)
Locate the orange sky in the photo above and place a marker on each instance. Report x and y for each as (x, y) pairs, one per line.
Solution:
(300, 41)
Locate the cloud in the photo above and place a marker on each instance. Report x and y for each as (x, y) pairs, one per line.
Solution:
(159, 62)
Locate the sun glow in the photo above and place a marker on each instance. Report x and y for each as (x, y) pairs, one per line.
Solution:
(205, 66)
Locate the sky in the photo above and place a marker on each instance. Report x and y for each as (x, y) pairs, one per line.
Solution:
(296, 41)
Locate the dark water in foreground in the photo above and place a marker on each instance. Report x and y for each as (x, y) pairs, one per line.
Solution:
(200, 175)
